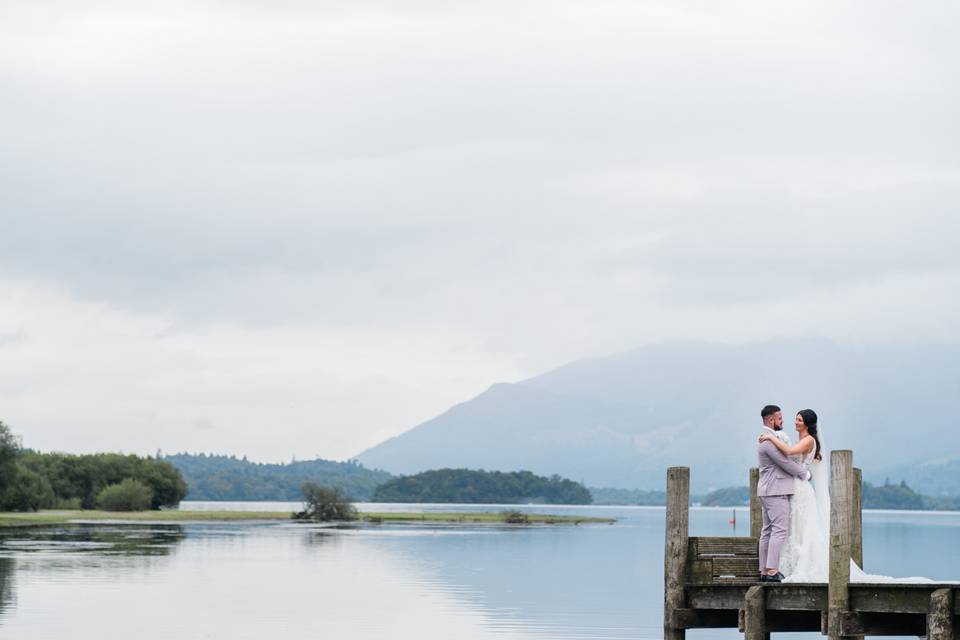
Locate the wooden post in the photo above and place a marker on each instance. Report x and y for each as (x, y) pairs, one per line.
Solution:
(841, 502)
(756, 517)
(940, 615)
(856, 542)
(675, 548)
(755, 614)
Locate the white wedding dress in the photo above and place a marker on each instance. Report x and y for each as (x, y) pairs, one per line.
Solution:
(806, 554)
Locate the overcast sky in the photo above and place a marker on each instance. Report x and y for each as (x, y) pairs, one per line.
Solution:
(283, 227)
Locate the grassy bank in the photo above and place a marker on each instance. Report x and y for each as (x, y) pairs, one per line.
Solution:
(65, 517)
(470, 518)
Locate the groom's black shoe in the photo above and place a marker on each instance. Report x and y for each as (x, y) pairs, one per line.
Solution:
(778, 577)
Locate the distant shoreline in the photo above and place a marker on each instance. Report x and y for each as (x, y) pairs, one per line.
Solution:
(563, 507)
(174, 516)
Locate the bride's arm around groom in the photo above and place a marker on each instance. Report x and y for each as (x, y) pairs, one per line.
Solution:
(777, 471)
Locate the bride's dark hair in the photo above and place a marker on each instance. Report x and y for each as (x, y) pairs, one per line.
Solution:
(809, 418)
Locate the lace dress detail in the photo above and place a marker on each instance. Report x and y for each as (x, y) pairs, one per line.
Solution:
(805, 556)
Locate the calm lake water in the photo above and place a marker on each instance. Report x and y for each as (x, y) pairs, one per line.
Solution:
(247, 580)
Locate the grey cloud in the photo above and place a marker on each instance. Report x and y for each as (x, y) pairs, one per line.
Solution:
(265, 163)
(13, 338)
(340, 218)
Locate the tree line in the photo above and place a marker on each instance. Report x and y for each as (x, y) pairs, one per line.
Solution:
(492, 487)
(220, 477)
(30, 480)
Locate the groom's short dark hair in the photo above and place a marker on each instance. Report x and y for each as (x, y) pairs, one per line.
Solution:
(769, 410)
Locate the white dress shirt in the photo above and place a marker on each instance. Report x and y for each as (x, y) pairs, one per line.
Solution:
(782, 436)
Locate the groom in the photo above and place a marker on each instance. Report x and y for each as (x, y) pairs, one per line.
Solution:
(777, 472)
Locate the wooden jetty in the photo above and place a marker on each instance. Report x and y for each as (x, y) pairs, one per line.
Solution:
(714, 582)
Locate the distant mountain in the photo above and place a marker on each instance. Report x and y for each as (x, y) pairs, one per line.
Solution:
(213, 477)
(619, 421)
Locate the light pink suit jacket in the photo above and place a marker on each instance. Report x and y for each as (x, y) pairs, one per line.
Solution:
(777, 471)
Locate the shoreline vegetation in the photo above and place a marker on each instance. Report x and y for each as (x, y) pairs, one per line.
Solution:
(884, 496)
(51, 483)
(62, 517)
(34, 481)
(899, 496)
(221, 477)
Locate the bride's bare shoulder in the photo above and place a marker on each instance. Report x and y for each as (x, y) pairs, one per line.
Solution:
(808, 442)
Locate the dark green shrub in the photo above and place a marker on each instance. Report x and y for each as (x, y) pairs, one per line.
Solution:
(128, 495)
(515, 517)
(68, 504)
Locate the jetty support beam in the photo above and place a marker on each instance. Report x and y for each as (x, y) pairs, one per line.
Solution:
(940, 624)
(675, 549)
(755, 614)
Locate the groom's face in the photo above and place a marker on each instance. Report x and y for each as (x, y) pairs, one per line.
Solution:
(778, 421)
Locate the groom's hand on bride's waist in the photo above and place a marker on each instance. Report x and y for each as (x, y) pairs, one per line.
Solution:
(806, 475)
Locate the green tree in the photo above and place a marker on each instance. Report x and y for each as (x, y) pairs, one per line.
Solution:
(9, 450)
(325, 504)
(28, 491)
(127, 495)
(82, 477)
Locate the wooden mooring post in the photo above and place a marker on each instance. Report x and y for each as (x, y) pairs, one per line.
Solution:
(841, 540)
(675, 549)
(713, 582)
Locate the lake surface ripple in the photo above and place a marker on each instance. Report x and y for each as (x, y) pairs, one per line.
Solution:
(266, 580)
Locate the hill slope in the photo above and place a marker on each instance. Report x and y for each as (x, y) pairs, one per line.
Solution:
(228, 478)
(937, 477)
(620, 421)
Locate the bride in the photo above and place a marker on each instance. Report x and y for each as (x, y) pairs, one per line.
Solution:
(806, 553)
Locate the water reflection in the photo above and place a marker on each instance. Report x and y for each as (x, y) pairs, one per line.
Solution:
(96, 539)
(299, 580)
(7, 567)
(559, 582)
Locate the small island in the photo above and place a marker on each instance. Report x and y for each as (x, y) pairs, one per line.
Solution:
(468, 486)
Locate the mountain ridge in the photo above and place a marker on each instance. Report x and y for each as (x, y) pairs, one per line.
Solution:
(620, 420)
